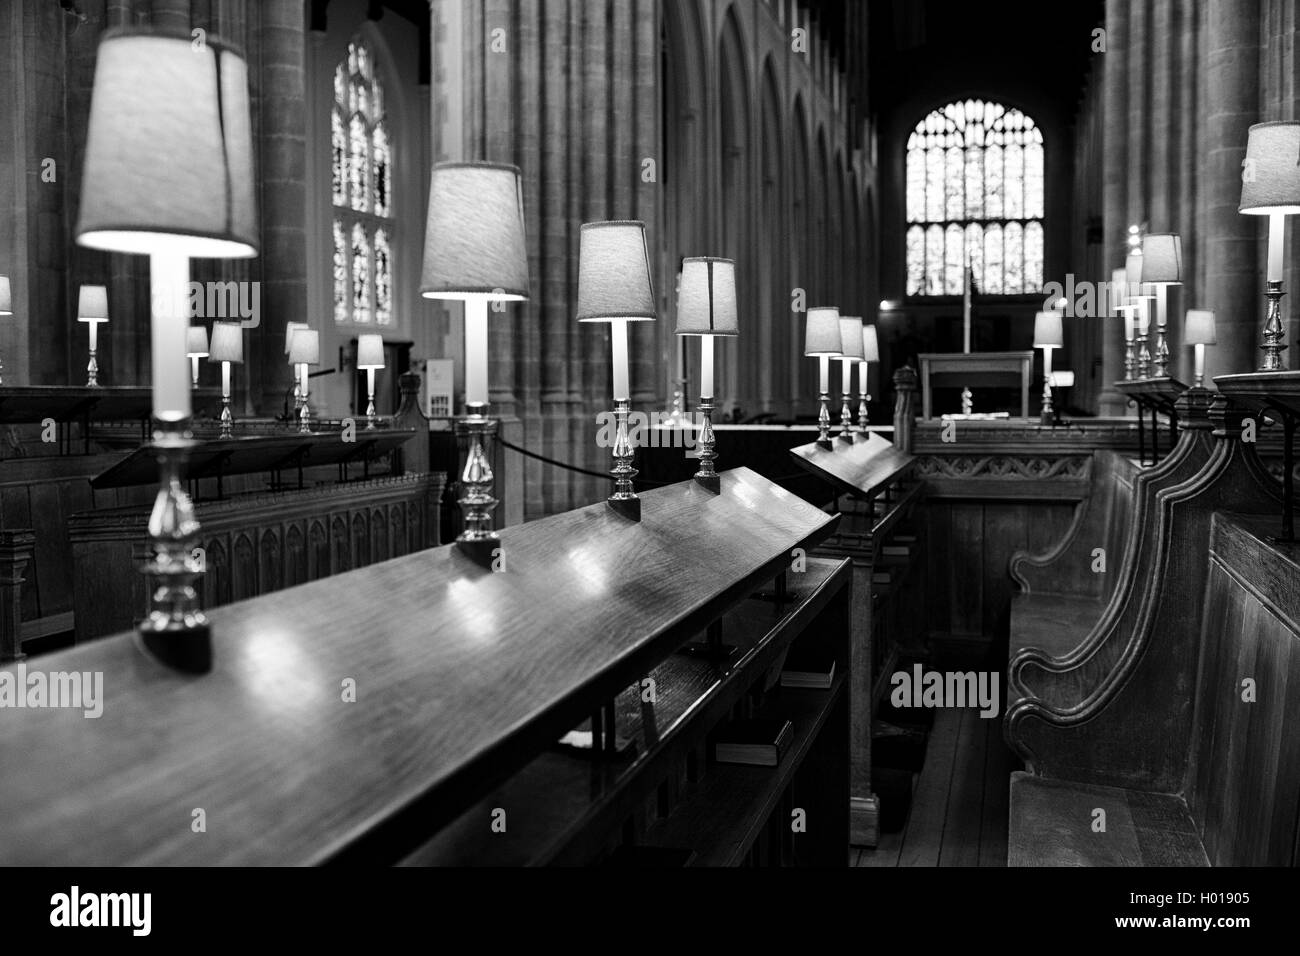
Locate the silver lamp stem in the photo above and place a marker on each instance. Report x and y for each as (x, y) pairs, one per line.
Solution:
(92, 371)
(1274, 332)
(176, 629)
(624, 500)
(708, 455)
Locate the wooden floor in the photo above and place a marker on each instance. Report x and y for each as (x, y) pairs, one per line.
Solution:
(959, 799)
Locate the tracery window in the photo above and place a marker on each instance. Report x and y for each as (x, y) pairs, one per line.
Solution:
(362, 174)
(975, 195)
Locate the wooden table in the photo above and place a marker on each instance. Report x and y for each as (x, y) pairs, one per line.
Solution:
(978, 369)
(461, 676)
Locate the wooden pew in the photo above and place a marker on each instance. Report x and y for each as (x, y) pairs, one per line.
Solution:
(1087, 644)
(1061, 595)
(1125, 731)
(1237, 802)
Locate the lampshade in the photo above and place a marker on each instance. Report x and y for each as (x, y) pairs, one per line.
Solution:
(196, 342)
(1062, 380)
(169, 156)
(227, 343)
(1199, 328)
(851, 345)
(614, 279)
(92, 304)
(289, 329)
(706, 298)
(474, 246)
(306, 347)
(1047, 331)
(6, 297)
(1133, 268)
(370, 351)
(1270, 181)
(1162, 259)
(870, 343)
(823, 333)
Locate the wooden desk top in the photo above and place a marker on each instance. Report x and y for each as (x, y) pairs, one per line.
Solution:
(25, 404)
(462, 676)
(860, 469)
(257, 454)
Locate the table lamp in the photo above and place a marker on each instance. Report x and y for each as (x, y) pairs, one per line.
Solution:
(6, 305)
(1270, 186)
(228, 349)
(870, 353)
(370, 356)
(289, 329)
(168, 173)
(1200, 332)
(822, 341)
(475, 252)
(1048, 335)
(852, 351)
(1119, 293)
(706, 307)
(615, 287)
(304, 352)
(196, 347)
(1162, 266)
(92, 309)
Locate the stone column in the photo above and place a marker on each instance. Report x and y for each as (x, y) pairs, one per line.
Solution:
(1233, 284)
(280, 84)
(1115, 200)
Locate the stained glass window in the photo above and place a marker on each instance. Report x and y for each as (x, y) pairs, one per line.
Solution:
(975, 196)
(362, 171)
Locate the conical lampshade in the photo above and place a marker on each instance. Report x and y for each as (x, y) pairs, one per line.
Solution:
(370, 351)
(227, 343)
(474, 245)
(706, 298)
(196, 342)
(92, 304)
(822, 335)
(614, 277)
(169, 157)
(852, 345)
(1270, 179)
(306, 348)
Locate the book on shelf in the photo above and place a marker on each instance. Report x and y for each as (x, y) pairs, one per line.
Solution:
(760, 742)
(808, 670)
(895, 551)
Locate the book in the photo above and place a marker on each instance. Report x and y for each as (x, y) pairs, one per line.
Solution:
(808, 670)
(894, 551)
(761, 742)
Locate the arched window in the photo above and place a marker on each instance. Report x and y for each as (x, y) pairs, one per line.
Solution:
(362, 173)
(975, 194)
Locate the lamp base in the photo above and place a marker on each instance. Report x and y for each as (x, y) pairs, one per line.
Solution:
(186, 649)
(485, 552)
(711, 483)
(629, 508)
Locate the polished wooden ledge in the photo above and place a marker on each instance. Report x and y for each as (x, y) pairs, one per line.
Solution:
(462, 675)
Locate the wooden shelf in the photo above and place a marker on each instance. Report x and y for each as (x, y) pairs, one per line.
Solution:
(562, 807)
(723, 818)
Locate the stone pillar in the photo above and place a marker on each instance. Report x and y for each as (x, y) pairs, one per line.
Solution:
(280, 84)
(1115, 202)
(1233, 284)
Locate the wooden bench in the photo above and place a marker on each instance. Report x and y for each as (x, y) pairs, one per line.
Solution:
(1061, 596)
(1057, 631)
(1237, 805)
(1160, 740)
